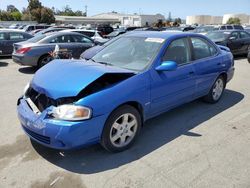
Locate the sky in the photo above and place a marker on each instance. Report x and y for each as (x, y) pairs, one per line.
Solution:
(178, 8)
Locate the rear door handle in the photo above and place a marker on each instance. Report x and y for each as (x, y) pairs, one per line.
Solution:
(191, 73)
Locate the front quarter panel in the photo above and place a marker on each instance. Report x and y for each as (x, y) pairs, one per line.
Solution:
(134, 89)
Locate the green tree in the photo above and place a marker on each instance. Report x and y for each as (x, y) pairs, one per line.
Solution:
(5, 16)
(234, 21)
(16, 16)
(47, 15)
(34, 4)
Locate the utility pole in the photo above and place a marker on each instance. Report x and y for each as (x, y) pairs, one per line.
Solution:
(86, 10)
(29, 10)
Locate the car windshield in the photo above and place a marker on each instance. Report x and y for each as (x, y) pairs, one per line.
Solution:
(133, 53)
(217, 36)
(36, 38)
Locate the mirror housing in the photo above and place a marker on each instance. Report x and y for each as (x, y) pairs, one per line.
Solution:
(232, 38)
(167, 66)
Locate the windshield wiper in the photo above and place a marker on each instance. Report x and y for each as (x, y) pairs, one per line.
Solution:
(105, 63)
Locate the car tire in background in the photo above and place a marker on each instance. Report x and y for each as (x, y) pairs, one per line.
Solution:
(216, 91)
(121, 129)
(43, 60)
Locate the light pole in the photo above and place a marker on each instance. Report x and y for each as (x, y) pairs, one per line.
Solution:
(29, 10)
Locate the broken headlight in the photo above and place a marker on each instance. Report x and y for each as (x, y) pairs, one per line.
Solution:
(71, 112)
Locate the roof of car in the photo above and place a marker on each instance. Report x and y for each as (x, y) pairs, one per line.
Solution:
(157, 34)
(13, 30)
(227, 31)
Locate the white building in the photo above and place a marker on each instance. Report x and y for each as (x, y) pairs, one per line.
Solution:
(208, 20)
(203, 19)
(132, 19)
(244, 18)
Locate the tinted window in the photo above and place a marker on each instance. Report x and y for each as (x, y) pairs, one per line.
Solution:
(88, 33)
(178, 51)
(202, 48)
(229, 27)
(62, 39)
(223, 27)
(16, 36)
(2, 36)
(235, 35)
(81, 39)
(238, 27)
(244, 35)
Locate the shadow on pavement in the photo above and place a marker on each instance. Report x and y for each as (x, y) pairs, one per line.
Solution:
(156, 133)
(3, 64)
(27, 70)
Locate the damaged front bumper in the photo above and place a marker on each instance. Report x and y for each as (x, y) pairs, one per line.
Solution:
(59, 134)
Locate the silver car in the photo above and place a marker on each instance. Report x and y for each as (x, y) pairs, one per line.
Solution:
(36, 51)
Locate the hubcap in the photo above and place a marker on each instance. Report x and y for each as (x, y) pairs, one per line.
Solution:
(218, 89)
(46, 60)
(123, 130)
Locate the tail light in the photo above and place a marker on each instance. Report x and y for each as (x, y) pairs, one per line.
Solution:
(23, 50)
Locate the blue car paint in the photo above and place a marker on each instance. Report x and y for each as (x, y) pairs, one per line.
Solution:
(155, 92)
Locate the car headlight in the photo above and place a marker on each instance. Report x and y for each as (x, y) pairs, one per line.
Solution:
(71, 112)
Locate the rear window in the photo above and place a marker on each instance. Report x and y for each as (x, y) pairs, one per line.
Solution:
(36, 38)
(2, 36)
(16, 36)
(238, 27)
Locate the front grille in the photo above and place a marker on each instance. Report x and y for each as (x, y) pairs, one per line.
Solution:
(41, 138)
(40, 100)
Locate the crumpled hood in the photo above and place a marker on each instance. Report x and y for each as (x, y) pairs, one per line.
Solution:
(66, 78)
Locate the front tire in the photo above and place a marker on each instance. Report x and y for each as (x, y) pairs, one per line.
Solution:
(121, 129)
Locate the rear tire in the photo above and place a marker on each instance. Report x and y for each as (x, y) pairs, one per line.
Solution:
(216, 91)
(121, 129)
(43, 60)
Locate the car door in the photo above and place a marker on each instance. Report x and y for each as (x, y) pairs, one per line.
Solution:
(234, 42)
(172, 88)
(245, 42)
(3, 43)
(206, 62)
(80, 44)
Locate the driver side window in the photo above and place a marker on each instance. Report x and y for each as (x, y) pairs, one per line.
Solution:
(178, 51)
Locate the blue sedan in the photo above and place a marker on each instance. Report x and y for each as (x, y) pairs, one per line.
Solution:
(71, 103)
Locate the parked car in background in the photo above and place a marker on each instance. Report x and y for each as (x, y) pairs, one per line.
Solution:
(8, 37)
(91, 52)
(148, 29)
(35, 31)
(21, 27)
(49, 30)
(14, 26)
(205, 29)
(94, 34)
(105, 29)
(70, 104)
(35, 52)
(231, 27)
(238, 41)
(115, 34)
(180, 29)
(247, 29)
(29, 28)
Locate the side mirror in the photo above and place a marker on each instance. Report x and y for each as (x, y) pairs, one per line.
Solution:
(167, 66)
(232, 38)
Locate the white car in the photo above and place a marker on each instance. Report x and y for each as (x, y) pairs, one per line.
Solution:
(94, 34)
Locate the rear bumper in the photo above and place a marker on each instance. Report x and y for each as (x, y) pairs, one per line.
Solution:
(23, 59)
